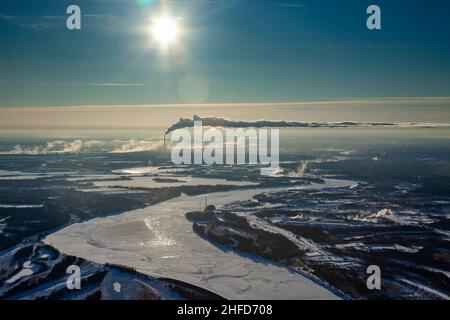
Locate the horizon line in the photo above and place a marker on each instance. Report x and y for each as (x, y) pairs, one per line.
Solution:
(324, 101)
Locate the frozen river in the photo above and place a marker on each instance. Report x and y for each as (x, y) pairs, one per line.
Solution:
(159, 241)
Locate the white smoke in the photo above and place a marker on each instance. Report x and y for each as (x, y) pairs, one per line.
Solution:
(301, 169)
(52, 147)
(78, 146)
(138, 146)
(227, 123)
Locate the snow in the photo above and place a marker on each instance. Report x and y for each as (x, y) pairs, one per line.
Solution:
(427, 289)
(21, 206)
(139, 170)
(18, 175)
(26, 271)
(381, 213)
(158, 240)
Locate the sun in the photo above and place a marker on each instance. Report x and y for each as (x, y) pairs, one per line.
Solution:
(164, 30)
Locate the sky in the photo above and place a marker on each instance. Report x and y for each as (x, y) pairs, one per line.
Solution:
(228, 51)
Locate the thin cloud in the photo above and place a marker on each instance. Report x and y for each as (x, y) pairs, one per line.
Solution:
(290, 5)
(43, 22)
(7, 17)
(32, 23)
(87, 84)
(117, 84)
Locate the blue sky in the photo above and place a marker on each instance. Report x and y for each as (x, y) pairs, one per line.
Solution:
(229, 50)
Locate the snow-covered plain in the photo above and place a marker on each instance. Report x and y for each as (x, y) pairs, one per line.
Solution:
(159, 241)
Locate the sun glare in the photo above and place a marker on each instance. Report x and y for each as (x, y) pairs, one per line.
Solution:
(164, 30)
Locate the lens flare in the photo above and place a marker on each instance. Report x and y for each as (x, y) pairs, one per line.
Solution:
(144, 3)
